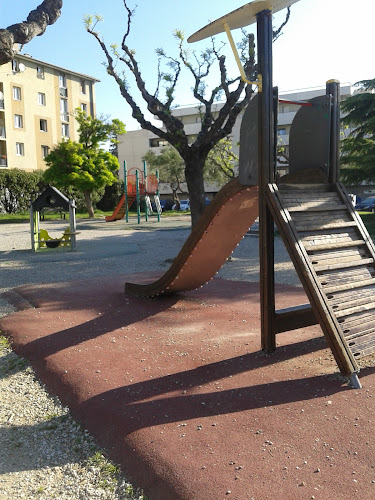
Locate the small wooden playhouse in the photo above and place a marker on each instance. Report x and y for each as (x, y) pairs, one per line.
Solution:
(52, 200)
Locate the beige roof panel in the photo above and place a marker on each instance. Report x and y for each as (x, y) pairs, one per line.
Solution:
(243, 16)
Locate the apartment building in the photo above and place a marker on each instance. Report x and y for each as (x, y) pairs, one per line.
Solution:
(37, 101)
(135, 144)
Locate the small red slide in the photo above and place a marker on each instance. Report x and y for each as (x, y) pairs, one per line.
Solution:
(222, 226)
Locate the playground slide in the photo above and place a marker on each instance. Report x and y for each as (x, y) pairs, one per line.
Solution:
(224, 223)
(120, 210)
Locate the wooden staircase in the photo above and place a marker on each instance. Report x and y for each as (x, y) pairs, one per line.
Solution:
(334, 257)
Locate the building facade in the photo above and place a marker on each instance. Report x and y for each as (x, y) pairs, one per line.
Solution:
(37, 101)
(135, 144)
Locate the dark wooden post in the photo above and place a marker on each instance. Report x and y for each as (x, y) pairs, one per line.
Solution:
(266, 175)
(333, 90)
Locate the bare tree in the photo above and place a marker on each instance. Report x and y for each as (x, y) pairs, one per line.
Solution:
(35, 25)
(214, 125)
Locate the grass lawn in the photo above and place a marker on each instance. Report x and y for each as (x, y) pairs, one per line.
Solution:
(99, 214)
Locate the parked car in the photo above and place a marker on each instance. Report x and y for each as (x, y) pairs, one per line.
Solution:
(184, 205)
(165, 205)
(367, 205)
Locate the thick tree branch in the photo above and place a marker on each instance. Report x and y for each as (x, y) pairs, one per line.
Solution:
(35, 25)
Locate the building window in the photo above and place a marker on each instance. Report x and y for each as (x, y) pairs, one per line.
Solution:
(43, 125)
(64, 112)
(83, 87)
(62, 81)
(17, 93)
(62, 86)
(40, 72)
(18, 121)
(20, 149)
(15, 65)
(65, 129)
(41, 99)
(156, 143)
(84, 107)
(45, 151)
(281, 131)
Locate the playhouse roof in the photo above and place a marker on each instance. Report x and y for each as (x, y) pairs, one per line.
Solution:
(52, 198)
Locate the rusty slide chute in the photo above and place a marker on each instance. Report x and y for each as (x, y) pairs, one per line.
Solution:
(224, 223)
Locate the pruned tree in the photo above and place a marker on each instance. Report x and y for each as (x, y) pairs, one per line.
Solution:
(358, 149)
(35, 25)
(215, 125)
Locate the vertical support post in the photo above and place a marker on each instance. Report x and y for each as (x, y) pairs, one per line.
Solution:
(32, 227)
(126, 192)
(266, 176)
(145, 176)
(138, 196)
(72, 224)
(333, 90)
(157, 190)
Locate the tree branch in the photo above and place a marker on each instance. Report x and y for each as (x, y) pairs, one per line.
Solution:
(35, 25)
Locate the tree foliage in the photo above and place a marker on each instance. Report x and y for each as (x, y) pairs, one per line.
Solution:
(35, 25)
(84, 165)
(221, 163)
(358, 149)
(18, 188)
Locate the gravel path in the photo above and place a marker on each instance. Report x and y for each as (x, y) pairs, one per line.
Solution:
(43, 452)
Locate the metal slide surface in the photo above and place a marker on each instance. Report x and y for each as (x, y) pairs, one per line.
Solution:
(224, 223)
(119, 211)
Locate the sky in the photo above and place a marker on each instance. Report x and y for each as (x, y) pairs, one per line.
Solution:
(324, 39)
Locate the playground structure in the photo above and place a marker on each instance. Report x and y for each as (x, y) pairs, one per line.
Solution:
(137, 185)
(53, 200)
(328, 244)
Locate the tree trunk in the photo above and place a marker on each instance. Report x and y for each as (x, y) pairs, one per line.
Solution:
(194, 179)
(90, 208)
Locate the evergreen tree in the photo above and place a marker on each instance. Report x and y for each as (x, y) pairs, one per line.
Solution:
(358, 149)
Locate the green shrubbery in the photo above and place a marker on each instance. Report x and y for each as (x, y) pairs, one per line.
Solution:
(18, 187)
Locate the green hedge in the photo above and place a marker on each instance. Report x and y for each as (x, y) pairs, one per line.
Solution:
(17, 188)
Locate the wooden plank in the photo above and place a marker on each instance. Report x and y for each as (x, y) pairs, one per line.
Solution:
(315, 188)
(305, 226)
(346, 255)
(343, 265)
(295, 317)
(348, 286)
(337, 245)
(315, 208)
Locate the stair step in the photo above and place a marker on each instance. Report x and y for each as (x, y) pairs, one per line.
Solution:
(333, 246)
(348, 286)
(315, 208)
(343, 265)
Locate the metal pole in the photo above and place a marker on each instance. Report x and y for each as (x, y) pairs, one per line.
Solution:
(333, 90)
(126, 192)
(138, 197)
(266, 176)
(157, 190)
